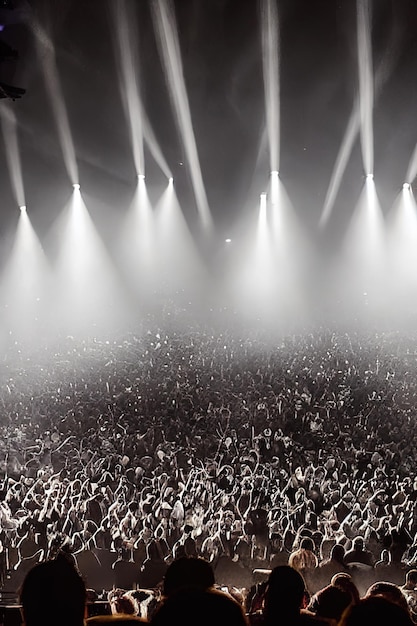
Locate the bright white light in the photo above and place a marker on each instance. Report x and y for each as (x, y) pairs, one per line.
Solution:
(228, 240)
(141, 176)
(274, 187)
(171, 180)
(406, 186)
(76, 187)
(23, 209)
(46, 50)
(270, 62)
(169, 47)
(369, 177)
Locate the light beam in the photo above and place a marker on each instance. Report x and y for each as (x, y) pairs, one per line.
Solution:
(366, 94)
(124, 19)
(8, 124)
(46, 52)
(270, 60)
(167, 36)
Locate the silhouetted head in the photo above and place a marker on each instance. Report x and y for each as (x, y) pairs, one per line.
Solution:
(284, 593)
(53, 592)
(330, 602)
(375, 610)
(337, 553)
(411, 577)
(209, 607)
(344, 581)
(389, 591)
(188, 572)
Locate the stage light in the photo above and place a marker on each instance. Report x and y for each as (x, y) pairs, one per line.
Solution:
(76, 187)
(141, 176)
(406, 186)
(274, 173)
(369, 177)
(228, 240)
(22, 209)
(170, 180)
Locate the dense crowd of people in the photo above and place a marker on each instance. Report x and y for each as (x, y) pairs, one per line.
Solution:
(249, 450)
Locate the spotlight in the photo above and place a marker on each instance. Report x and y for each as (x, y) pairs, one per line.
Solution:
(406, 186)
(22, 209)
(274, 173)
(76, 187)
(171, 180)
(369, 177)
(228, 240)
(141, 176)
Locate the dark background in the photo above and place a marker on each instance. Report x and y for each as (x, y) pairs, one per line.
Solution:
(221, 52)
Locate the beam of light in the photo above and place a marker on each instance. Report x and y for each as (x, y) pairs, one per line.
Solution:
(270, 60)
(274, 189)
(167, 36)
(340, 165)
(402, 244)
(412, 167)
(8, 124)
(259, 275)
(291, 251)
(262, 235)
(366, 95)
(153, 145)
(46, 52)
(179, 264)
(364, 256)
(136, 246)
(86, 292)
(24, 283)
(384, 70)
(125, 40)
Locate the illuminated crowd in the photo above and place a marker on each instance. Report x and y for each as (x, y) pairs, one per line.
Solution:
(196, 441)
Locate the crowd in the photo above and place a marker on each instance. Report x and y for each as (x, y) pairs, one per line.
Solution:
(239, 448)
(189, 596)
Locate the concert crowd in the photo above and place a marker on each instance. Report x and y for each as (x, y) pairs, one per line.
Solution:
(249, 451)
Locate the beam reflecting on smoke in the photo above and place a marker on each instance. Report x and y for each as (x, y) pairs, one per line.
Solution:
(167, 36)
(270, 59)
(363, 266)
(124, 40)
(46, 53)
(153, 145)
(24, 283)
(366, 95)
(412, 168)
(86, 292)
(179, 263)
(262, 251)
(8, 124)
(137, 244)
(402, 242)
(385, 67)
(255, 274)
(340, 165)
(291, 251)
